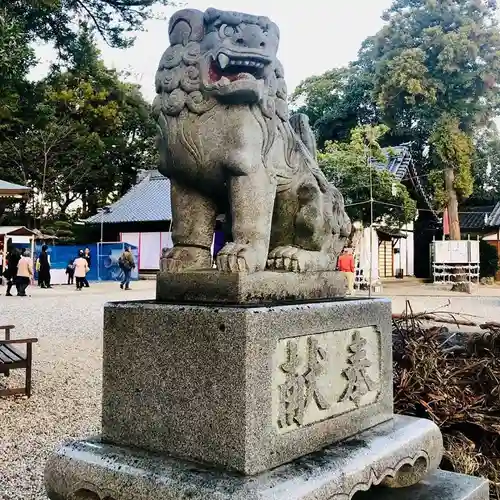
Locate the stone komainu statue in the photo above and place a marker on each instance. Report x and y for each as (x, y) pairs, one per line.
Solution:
(229, 146)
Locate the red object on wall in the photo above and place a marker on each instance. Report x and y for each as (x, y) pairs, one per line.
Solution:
(446, 222)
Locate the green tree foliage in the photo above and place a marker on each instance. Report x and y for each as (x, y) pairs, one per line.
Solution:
(16, 56)
(436, 67)
(89, 135)
(486, 167)
(63, 230)
(432, 75)
(336, 102)
(57, 21)
(434, 58)
(451, 148)
(346, 164)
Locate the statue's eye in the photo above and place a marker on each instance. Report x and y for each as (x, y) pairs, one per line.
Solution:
(226, 31)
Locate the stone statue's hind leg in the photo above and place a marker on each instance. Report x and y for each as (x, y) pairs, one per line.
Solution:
(193, 222)
(312, 232)
(312, 238)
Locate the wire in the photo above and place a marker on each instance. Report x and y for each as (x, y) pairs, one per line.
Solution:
(404, 179)
(418, 209)
(359, 203)
(388, 204)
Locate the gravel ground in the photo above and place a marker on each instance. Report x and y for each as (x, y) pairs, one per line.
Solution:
(67, 372)
(66, 379)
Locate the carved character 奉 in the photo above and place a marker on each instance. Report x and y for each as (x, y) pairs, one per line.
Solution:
(228, 145)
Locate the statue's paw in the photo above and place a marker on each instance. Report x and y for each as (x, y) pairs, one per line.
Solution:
(298, 260)
(184, 258)
(237, 258)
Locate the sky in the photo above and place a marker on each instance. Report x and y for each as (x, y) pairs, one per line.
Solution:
(316, 35)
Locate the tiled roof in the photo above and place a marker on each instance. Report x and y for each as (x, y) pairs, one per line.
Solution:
(494, 218)
(7, 188)
(147, 201)
(16, 231)
(475, 218)
(398, 161)
(400, 164)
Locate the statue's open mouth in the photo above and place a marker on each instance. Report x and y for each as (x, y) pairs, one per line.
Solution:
(236, 68)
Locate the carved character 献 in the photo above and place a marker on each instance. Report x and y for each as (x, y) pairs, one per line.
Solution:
(300, 389)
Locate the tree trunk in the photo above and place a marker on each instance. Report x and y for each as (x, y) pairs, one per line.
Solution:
(449, 178)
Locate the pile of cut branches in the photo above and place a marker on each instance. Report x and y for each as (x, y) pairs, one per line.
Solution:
(458, 387)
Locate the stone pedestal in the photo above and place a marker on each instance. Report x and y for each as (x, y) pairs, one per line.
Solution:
(247, 388)
(397, 453)
(244, 400)
(266, 287)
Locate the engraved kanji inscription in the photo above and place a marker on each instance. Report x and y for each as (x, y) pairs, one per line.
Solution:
(324, 375)
(358, 381)
(300, 387)
(316, 356)
(291, 400)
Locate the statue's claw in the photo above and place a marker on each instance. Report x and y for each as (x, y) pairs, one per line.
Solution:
(238, 258)
(295, 259)
(185, 258)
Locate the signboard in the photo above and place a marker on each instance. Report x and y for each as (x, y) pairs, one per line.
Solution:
(456, 252)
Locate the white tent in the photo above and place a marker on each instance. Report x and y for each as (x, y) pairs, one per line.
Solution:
(18, 234)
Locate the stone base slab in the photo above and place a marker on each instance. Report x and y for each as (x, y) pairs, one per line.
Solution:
(397, 454)
(266, 287)
(438, 486)
(244, 388)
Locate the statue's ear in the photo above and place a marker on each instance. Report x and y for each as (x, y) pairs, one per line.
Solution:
(186, 26)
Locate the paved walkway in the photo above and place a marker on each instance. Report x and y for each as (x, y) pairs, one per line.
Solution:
(67, 368)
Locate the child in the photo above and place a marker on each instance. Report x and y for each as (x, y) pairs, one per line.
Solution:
(70, 271)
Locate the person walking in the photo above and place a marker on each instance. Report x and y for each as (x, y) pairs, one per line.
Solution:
(37, 269)
(88, 258)
(12, 259)
(81, 269)
(24, 273)
(346, 265)
(126, 263)
(44, 272)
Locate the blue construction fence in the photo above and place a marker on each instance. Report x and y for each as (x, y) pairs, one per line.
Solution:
(104, 259)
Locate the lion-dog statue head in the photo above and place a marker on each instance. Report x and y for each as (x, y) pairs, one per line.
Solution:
(221, 56)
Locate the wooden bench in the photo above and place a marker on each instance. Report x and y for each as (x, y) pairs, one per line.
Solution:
(12, 359)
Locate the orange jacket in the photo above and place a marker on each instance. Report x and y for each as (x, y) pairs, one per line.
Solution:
(346, 263)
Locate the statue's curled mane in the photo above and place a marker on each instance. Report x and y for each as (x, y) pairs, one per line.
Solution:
(178, 85)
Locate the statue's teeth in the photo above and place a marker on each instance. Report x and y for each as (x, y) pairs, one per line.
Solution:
(223, 60)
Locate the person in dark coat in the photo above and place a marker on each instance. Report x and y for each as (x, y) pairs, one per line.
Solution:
(44, 272)
(2, 259)
(12, 257)
(88, 258)
(70, 271)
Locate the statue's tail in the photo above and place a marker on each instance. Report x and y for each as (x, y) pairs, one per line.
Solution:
(341, 224)
(300, 125)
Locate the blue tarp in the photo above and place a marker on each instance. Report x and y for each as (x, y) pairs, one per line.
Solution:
(108, 255)
(104, 259)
